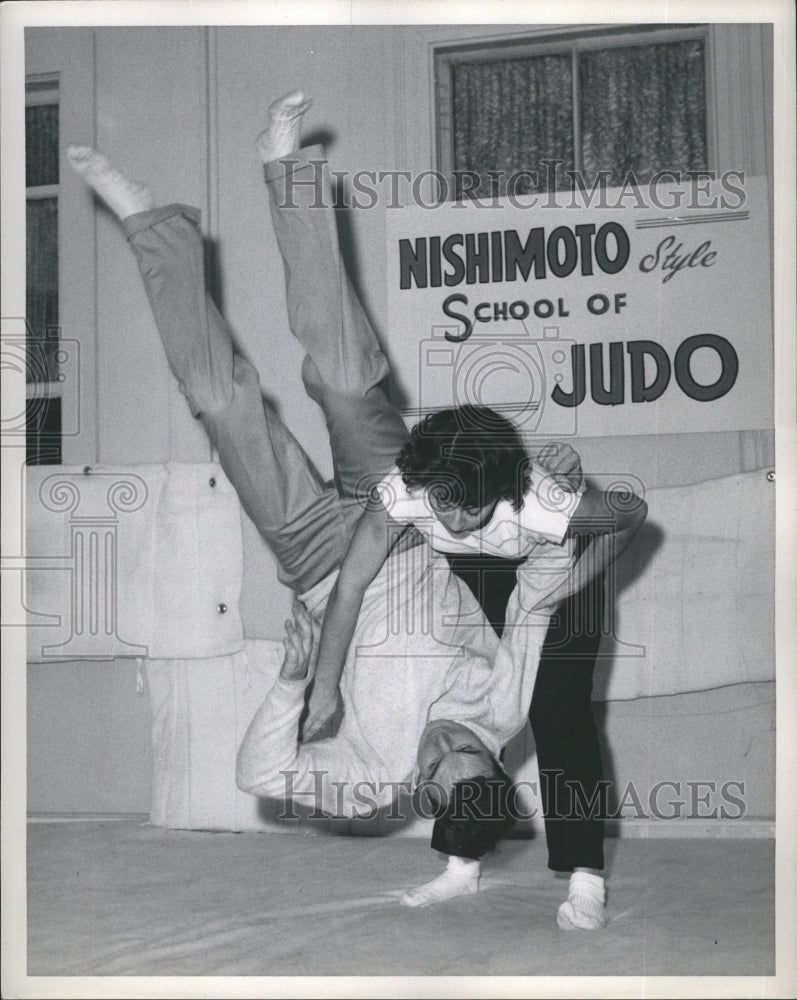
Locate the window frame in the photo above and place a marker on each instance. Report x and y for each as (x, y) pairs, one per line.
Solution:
(69, 56)
(557, 42)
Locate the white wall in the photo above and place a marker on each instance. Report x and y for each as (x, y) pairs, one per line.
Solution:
(180, 108)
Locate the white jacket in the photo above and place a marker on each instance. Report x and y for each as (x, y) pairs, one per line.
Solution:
(422, 651)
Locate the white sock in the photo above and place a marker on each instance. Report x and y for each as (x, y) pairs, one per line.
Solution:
(282, 136)
(461, 878)
(124, 197)
(584, 907)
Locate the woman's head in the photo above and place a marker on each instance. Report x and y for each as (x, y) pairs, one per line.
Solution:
(468, 459)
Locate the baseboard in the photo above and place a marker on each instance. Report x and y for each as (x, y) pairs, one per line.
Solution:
(63, 817)
(649, 829)
(623, 828)
(716, 828)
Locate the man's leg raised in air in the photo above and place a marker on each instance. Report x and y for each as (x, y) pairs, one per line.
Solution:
(294, 511)
(344, 365)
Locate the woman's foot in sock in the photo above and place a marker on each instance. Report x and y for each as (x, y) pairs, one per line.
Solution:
(283, 135)
(461, 878)
(124, 197)
(584, 908)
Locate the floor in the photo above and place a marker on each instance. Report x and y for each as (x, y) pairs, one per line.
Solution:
(124, 898)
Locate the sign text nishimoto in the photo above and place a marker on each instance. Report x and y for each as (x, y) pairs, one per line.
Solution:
(587, 320)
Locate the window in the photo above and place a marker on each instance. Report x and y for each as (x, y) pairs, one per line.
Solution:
(43, 378)
(629, 102)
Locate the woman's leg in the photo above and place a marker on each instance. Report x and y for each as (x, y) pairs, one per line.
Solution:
(572, 787)
(295, 512)
(568, 753)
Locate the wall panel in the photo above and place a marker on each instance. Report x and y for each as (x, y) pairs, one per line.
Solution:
(150, 100)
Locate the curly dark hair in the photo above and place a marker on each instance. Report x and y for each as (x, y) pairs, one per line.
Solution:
(469, 456)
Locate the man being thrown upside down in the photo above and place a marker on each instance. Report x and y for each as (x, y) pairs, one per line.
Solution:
(426, 686)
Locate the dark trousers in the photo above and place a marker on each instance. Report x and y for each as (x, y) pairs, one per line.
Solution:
(568, 754)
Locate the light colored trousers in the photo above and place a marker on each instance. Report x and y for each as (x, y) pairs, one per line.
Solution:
(307, 523)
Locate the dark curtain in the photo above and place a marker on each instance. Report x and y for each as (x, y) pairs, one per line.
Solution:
(42, 288)
(509, 116)
(41, 245)
(643, 109)
(41, 144)
(43, 412)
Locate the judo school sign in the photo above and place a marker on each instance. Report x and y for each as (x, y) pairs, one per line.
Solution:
(588, 317)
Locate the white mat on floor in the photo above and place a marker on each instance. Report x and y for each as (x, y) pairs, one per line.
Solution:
(118, 899)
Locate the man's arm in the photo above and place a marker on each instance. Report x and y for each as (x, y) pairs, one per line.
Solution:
(373, 538)
(270, 745)
(607, 526)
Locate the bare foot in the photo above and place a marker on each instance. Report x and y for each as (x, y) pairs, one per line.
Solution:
(124, 197)
(282, 136)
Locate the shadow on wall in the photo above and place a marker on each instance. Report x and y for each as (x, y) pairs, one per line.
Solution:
(636, 559)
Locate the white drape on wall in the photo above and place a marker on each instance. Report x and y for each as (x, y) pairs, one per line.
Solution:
(694, 612)
(132, 561)
(695, 608)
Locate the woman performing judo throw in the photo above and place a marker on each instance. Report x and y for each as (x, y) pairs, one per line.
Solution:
(426, 686)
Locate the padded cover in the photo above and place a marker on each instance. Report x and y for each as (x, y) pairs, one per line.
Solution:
(132, 561)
